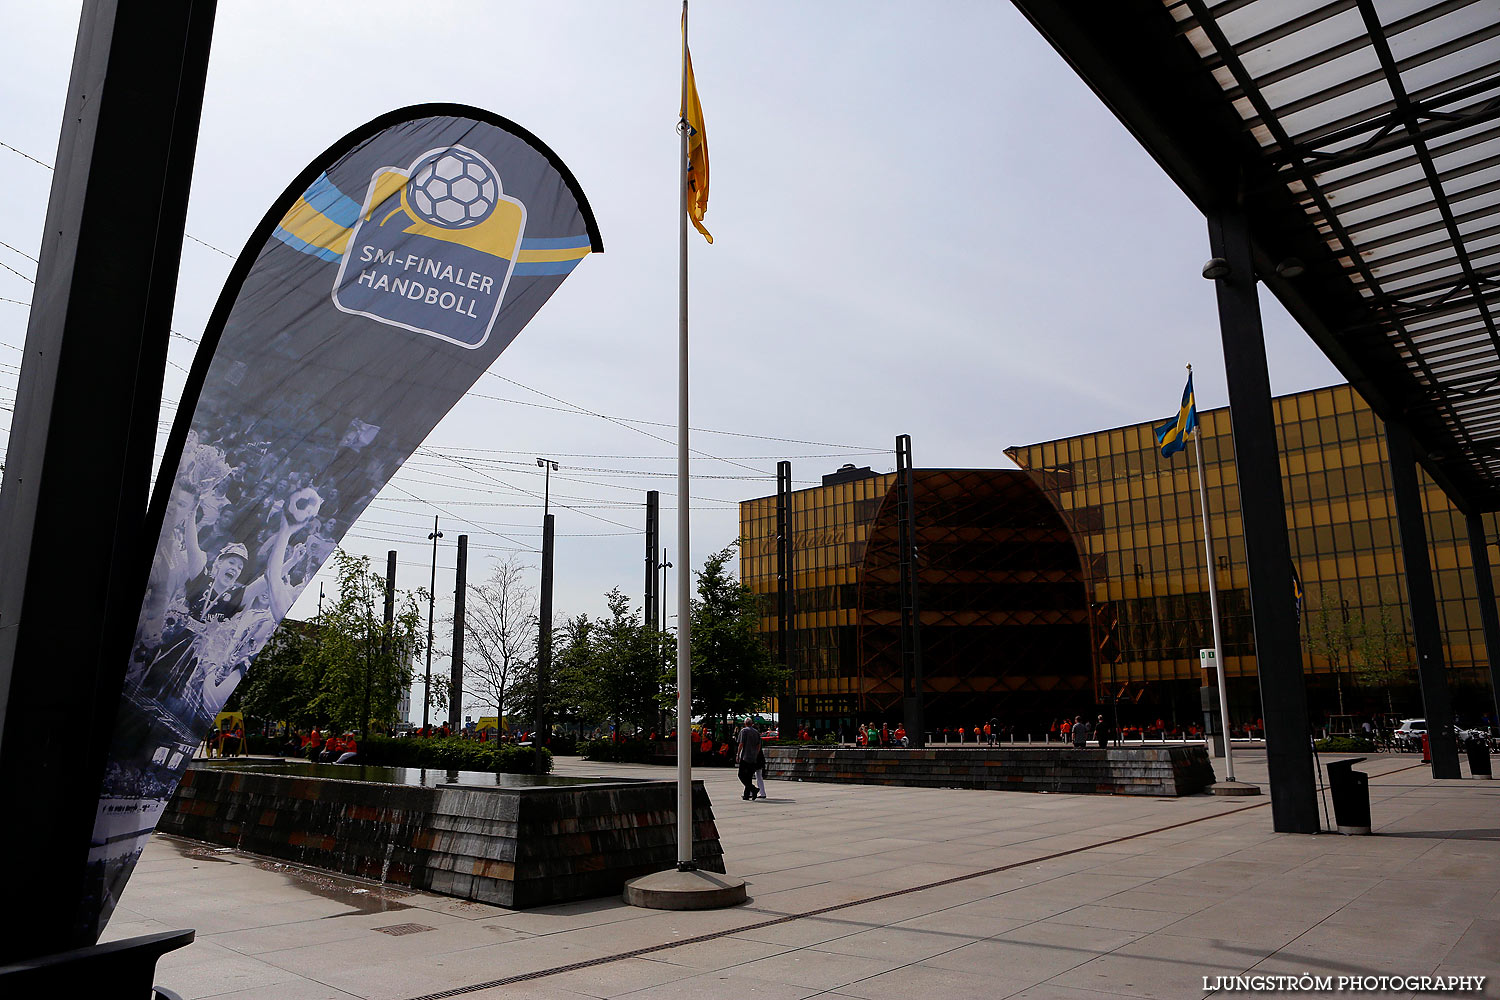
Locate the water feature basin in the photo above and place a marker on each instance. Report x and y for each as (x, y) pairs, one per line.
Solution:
(506, 839)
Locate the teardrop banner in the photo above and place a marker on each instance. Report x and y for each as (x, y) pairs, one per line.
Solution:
(385, 280)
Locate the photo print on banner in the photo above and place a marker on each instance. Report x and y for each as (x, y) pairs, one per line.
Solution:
(373, 295)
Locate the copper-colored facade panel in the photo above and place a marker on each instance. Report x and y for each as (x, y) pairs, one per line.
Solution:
(1004, 600)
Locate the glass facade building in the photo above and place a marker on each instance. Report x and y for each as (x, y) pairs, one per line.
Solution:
(1135, 517)
(1002, 592)
(1079, 581)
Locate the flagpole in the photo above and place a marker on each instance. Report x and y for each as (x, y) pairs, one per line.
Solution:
(1213, 596)
(684, 576)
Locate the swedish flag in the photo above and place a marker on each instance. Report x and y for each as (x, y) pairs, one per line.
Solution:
(1171, 437)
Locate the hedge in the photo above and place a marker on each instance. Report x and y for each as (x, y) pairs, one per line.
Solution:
(453, 754)
(1344, 744)
(821, 741)
(624, 752)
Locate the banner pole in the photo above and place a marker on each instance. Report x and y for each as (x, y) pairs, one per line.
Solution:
(684, 577)
(1213, 600)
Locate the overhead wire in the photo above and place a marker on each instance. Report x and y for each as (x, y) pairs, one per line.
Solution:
(580, 505)
(23, 253)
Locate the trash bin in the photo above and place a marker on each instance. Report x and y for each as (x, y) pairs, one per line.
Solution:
(1351, 796)
(1479, 758)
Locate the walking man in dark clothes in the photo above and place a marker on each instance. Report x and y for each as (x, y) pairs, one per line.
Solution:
(748, 755)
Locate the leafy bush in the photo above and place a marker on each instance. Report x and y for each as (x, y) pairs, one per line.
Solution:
(453, 754)
(627, 751)
(1344, 744)
(273, 746)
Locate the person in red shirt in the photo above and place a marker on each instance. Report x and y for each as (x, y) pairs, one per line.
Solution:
(900, 735)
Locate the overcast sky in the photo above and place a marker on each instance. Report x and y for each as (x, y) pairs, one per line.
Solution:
(924, 224)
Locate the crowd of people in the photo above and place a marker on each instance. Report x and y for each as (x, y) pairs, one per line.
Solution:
(227, 740)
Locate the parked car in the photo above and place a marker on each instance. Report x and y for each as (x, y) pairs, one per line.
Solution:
(1410, 732)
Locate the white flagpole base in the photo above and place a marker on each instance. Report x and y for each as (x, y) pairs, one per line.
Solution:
(1233, 788)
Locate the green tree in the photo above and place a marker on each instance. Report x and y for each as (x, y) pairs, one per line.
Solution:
(570, 676)
(1384, 654)
(500, 634)
(572, 671)
(732, 667)
(321, 672)
(277, 687)
(1332, 634)
(626, 667)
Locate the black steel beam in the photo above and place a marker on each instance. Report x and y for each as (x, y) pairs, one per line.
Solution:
(1484, 587)
(913, 686)
(543, 721)
(390, 618)
(74, 551)
(1431, 674)
(1278, 652)
(650, 608)
(786, 582)
(456, 668)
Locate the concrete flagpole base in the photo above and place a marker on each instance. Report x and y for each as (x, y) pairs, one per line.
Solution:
(677, 890)
(1233, 788)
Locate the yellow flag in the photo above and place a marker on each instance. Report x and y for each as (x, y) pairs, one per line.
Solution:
(697, 164)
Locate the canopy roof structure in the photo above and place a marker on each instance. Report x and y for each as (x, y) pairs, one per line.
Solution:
(1361, 138)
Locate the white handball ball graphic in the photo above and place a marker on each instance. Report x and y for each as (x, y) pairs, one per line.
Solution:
(454, 189)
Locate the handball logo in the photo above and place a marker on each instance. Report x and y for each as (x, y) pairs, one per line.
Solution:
(434, 247)
(454, 189)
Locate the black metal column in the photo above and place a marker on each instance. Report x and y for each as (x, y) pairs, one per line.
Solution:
(544, 647)
(785, 582)
(651, 602)
(456, 671)
(651, 606)
(1426, 630)
(1484, 586)
(387, 637)
(74, 551)
(1278, 654)
(911, 605)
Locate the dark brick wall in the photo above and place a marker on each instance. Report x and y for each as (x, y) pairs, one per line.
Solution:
(513, 847)
(1164, 771)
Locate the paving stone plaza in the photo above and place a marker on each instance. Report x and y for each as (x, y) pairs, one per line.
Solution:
(888, 892)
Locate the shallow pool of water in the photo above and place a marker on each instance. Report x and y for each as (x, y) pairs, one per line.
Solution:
(428, 777)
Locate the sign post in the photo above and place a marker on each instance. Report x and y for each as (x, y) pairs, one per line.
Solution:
(1208, 659)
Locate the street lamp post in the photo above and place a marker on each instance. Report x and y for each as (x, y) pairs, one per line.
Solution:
(548, 467)
(544, 622)
(660, 613)
(431, 598)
